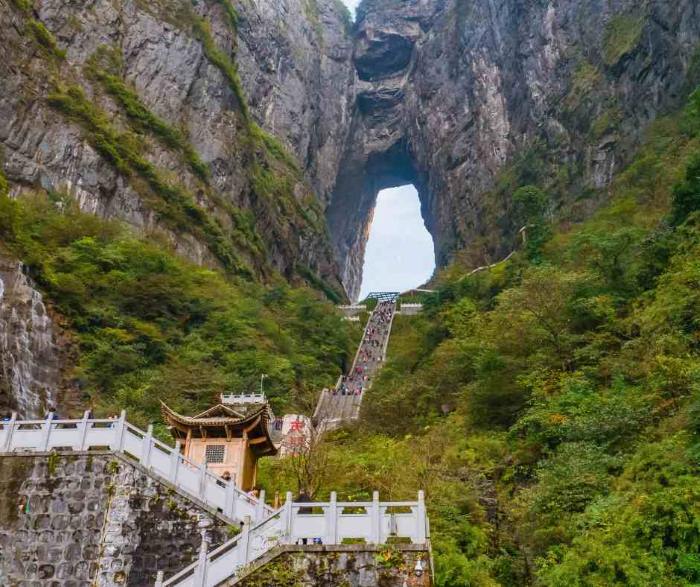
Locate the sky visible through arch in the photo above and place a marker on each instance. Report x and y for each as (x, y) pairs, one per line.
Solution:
(351, 4)
(400, 254)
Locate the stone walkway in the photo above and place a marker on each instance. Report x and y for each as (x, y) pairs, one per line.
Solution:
(342, 403)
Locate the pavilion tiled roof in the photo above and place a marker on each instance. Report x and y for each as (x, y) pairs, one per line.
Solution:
(221, 419)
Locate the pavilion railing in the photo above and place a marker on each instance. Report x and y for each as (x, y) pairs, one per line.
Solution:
(329, 523)
(159, 459)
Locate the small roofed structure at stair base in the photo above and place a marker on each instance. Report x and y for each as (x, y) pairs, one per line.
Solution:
(228, 441)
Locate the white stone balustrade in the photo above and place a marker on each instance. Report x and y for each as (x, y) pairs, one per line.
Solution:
(410, 309)
(332, 522)
(161, 460)
(244, 398)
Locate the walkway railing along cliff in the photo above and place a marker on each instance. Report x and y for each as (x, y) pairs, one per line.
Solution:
(161, 460)
(332, 522)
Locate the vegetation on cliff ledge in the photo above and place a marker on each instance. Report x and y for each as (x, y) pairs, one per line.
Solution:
(150, 326)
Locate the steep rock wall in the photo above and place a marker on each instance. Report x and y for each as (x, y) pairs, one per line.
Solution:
(469, 98)
(93, 520)
(358, 565)
(29, 355)
(234, 190)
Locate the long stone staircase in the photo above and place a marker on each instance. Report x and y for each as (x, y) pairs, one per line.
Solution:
(342, 403)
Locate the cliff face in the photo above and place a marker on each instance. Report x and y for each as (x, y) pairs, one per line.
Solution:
(136, 111)
(469, 99)
(29, 355)
(152, 113)
(450, 95)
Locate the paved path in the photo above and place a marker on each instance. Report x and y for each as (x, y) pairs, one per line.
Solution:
(342, 403)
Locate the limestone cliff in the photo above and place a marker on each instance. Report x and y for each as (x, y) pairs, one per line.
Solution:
(247, 132)
(468, 99)
(149, 112)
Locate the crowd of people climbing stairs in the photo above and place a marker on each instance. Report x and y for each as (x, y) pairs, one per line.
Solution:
(343, 401)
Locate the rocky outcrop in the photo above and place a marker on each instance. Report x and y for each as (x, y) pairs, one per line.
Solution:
(469, 99)
(178, 60)
(29, 356)
(295, 59)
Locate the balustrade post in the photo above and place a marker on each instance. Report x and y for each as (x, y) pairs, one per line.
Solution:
(202, 481)
(174, 463)
(332, 520)
(421, 519)
(244, 542)
(200, 576)
(147, 447)
(9, 430)
(82, 431)
(119, 431)
(375, 537)
(46, 433)
(288, 516)
(159, 579)
(260, 507)
(230, 500)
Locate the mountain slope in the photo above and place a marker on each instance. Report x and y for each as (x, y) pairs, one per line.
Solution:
(549, 406)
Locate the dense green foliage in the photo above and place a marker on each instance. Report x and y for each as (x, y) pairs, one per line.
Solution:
(551, 406)
(149, 326)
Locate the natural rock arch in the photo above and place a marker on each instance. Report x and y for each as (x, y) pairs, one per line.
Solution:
(459, 97)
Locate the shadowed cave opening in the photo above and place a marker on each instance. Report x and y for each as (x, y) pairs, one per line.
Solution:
(400, 254)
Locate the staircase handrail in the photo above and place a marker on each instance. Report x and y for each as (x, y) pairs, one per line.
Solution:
(119, 436)
(212, 568)
(221, 550)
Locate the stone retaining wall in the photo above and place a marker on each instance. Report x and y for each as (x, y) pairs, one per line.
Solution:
(74, 520)
(357, 565)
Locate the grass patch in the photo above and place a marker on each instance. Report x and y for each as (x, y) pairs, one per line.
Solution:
(123, 151)
(45, 38)
(584, 80)
(607, 121)
(231, 13)
(622, 35)
(222, 62)
(23, 5)
(273, 146)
